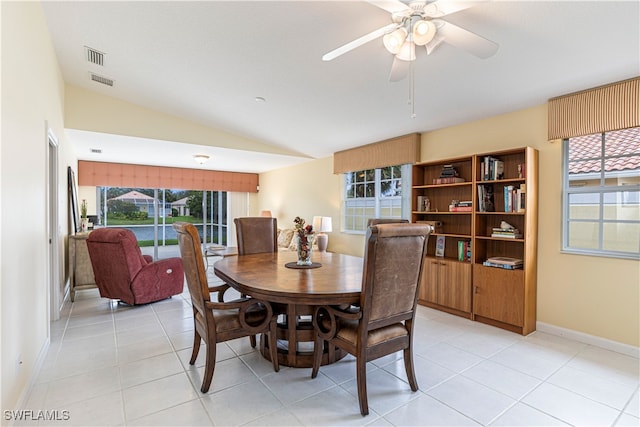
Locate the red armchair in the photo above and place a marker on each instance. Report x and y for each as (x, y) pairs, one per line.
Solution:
(123, 273)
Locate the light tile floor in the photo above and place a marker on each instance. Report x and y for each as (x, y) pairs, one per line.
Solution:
(110, 364)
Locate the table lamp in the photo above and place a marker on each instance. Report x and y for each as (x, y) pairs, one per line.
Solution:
(322, 225)
(266, 213)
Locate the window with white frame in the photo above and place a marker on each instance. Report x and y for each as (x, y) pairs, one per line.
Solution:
(601, 195)
(375, 193)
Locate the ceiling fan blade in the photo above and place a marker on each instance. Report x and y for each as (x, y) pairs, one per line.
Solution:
(359, 42)
(399, 69)
(441, 8)
(464, 39)
(391, 6)
(434, 43)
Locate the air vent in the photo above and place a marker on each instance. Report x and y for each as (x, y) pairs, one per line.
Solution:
(100, 79)
(95, 150)
(94, 56)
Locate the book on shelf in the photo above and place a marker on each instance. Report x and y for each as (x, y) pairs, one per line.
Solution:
(485, 198)
(448, 171)
(440, 246)
(461, 206)
(504, 260)
(448, 180)
(506, 235)
(491, 169)
(504, 266)
(521, 197)
(464, 250)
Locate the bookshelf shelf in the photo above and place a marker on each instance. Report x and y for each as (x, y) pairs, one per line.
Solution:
(501, 297)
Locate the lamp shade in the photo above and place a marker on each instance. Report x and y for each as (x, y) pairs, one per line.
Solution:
(393, 41)
(322, 224)
(423, 32)
(407, 51)
(266, 213)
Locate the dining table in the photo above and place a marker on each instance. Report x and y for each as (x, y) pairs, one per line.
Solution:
(332, 279)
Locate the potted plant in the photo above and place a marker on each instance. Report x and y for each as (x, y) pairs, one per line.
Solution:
(84, 222)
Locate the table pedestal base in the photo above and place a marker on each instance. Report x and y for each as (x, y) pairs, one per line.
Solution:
(296, 337)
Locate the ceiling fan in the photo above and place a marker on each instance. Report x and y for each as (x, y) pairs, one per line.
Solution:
(418, 23)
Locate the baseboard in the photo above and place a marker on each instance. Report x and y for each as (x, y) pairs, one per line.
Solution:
(37, 367)
(605, 343)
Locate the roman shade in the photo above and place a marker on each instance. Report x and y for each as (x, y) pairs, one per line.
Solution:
(142, 176)
(390, 152)
(602, 109)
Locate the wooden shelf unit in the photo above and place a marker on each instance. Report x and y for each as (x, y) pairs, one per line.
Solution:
(496, 296)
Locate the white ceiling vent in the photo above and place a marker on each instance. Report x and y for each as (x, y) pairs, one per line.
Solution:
(101, 79)
(94, 56)
(95, 150)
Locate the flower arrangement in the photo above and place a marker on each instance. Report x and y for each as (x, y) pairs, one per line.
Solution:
(305, 240)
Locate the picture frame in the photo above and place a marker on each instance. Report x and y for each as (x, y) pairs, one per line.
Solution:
(440, 246)
(73, 200)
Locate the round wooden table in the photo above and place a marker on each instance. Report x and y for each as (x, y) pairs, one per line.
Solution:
(337, 281)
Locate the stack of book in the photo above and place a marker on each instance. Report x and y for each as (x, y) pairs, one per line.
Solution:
(504, 262)
(448, 175)
(465, 206)
(506, 233)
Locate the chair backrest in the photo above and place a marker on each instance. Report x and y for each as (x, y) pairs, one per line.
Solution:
(376, 221)
(393, 262)
(193, 262)
(256, 235)
(115, 258)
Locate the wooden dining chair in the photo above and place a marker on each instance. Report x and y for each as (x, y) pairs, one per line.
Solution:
(256, 235)
(216, 320)
(376, 221)
(383, 323)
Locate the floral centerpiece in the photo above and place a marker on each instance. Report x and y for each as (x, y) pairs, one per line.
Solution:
(305, 235)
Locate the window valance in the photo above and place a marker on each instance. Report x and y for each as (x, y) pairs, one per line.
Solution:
(390, 152)
(602, 109)
(142, 176)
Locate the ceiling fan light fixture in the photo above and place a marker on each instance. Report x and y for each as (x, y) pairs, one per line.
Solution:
(423, 32)
(394, 40)
(407, 51)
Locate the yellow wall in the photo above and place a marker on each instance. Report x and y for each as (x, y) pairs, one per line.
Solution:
(32, 95)
(592, 295)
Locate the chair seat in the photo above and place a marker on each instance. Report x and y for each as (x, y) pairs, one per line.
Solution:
(228, 320)
(348, 331)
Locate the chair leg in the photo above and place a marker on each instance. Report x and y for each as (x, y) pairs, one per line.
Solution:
(408, 366)
(318, 348)
(196, 347)
(273, 343)
(252, 340)
(210, 366)
(361, 376)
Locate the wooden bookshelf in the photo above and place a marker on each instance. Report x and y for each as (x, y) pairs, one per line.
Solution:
(496, 296)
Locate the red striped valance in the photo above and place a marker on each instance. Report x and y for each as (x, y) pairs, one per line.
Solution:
(140, 176)
(602, 109)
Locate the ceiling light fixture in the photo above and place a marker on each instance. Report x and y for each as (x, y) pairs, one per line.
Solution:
(201, 158)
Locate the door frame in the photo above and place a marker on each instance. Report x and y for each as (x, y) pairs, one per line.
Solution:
(54, 288)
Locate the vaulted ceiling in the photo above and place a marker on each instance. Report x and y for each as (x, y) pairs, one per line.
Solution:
(209, 61)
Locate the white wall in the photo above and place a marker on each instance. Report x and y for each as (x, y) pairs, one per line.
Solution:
(32, 95)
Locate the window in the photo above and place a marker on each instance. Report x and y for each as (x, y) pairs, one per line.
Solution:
(601, 195)
(375, 193)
